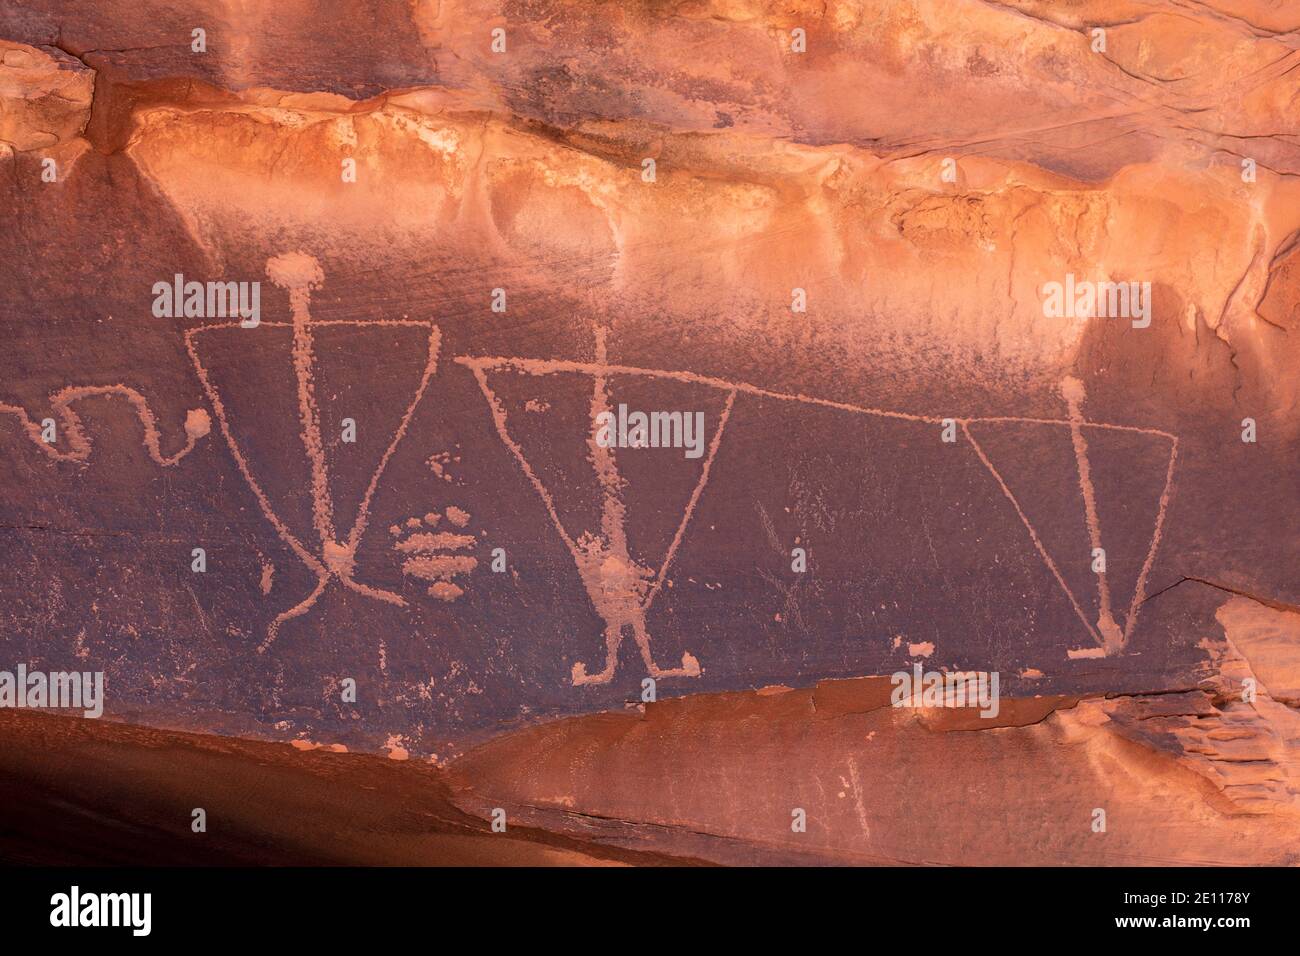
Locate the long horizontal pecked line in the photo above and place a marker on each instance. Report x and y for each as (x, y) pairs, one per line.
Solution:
(548, 366)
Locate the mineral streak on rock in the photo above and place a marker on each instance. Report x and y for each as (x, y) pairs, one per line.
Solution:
(838, 251)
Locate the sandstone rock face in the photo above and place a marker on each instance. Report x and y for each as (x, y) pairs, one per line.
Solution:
(1190, 777)
(988, 313)
(45, 97)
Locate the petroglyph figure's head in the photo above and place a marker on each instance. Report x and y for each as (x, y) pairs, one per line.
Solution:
(295, 270)
(1072, 390)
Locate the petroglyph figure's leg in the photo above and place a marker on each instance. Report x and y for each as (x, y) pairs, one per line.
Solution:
(1073, 392)
(301, 607)
(613, 638)
(1140, 592)
(690, 666)
(1033, 534)
(379, 594)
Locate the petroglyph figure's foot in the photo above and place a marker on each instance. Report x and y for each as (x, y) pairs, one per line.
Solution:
(613, 639)
(690, 668)
(581, 677)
